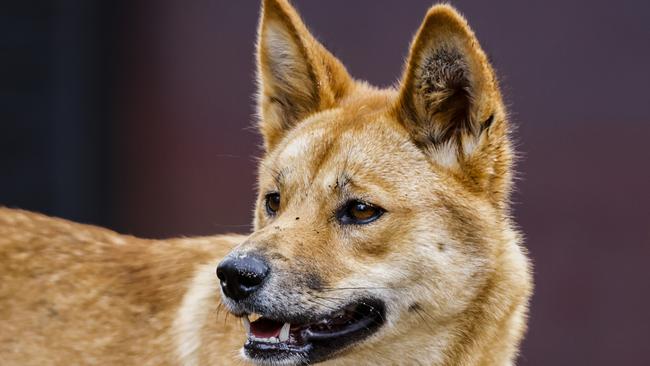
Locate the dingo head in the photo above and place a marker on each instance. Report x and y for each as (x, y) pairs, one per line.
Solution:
(381, 213)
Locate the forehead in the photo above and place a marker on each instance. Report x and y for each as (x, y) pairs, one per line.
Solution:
(338, 145)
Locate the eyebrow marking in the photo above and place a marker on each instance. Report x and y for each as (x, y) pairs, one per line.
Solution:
(343, 181)
(279, 177)
(278, 174)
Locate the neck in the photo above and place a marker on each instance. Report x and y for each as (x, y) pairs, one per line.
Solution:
(489, 331)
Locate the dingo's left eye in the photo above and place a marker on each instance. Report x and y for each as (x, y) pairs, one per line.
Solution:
(358, 213)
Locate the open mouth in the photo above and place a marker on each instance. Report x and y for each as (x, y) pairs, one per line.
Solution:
(274, 340)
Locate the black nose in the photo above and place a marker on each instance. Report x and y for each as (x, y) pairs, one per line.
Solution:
(241, 276)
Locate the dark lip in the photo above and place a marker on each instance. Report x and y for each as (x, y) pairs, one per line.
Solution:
(317, 346)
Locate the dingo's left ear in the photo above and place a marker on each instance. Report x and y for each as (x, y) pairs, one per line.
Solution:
(448, 94)
(450, 103)
(297, 76)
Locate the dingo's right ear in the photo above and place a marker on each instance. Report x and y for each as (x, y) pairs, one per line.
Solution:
(297, 76)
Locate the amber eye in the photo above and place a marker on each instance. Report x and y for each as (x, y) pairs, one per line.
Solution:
(272, 203)
(358, 213)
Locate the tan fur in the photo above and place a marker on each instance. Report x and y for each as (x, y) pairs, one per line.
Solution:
(445, 258)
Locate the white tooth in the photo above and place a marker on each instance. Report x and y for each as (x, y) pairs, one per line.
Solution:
(273, 340)
(284, 333)
(247, 324)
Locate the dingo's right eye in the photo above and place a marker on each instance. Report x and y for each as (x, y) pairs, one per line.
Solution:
(356, 212)
(272, 203)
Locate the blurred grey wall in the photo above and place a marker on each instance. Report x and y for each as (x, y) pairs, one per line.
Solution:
(137, 115)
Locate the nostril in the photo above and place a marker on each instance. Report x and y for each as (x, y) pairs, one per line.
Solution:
(252, 279)
(221, 275)
(242, 275)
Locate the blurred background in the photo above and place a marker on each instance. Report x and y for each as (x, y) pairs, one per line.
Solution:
(137, 115)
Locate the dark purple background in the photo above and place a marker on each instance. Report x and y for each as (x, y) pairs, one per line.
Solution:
(177, 146)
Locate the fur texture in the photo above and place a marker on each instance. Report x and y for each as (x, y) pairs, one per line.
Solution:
(434, 153)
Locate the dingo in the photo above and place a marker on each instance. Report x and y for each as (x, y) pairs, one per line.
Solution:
(382, 232)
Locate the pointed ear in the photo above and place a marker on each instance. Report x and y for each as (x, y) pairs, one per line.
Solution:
(297, 76)
(448, 93)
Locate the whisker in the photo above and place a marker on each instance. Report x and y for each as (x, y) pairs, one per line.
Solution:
(324, 289)
(220, 307)
(329, 298)
(225, 319)
(417, 311)
(426, 313)
(321, 304)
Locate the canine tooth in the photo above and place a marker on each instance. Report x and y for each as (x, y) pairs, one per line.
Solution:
(284, 332)
(247, 324)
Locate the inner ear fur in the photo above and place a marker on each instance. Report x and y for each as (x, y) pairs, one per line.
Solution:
(448, 95)
(297, 76)
(450, 104)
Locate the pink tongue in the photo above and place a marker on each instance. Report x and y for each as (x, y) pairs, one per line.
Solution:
(266, 328)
